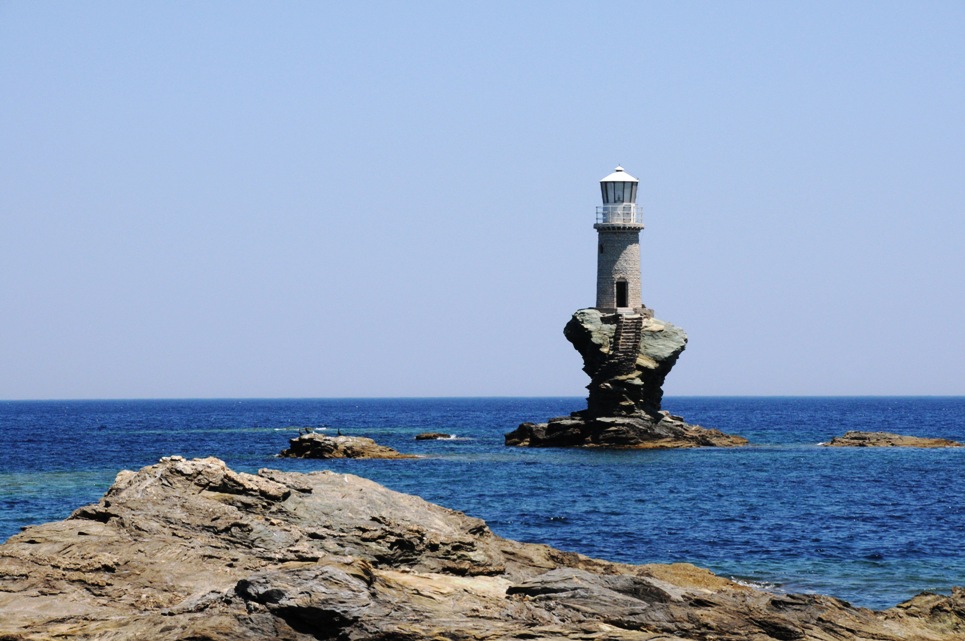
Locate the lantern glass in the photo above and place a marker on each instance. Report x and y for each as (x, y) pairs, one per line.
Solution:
(619, 188)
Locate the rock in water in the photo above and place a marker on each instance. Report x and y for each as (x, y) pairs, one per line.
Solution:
(627, 357)
(433, 436)
(314, 445)
(193, 550)
(641, 432)
(887, 439)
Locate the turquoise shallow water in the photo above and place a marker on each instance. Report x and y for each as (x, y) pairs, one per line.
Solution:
(872, 526)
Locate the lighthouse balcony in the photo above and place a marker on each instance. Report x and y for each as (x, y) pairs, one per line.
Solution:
(619, 214)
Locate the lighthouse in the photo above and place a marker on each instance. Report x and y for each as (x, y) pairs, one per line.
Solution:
(626, 352)
(618, 225)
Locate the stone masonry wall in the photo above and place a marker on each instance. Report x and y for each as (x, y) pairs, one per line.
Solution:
(618, 258)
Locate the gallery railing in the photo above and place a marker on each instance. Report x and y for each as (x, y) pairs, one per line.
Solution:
(621, 214)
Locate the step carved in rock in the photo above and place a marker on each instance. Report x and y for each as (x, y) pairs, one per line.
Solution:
(625, 346)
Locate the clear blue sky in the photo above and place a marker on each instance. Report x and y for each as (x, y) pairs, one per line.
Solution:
(235, 199)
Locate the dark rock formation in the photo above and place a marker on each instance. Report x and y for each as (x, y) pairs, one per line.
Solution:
(638, 432)
(432, 436)
(887, 439)
(192, 550)
(315, 445)
(627, 357)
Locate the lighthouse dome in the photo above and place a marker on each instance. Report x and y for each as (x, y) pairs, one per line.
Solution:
(619, 175)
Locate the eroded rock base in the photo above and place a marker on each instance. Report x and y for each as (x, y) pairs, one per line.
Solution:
(629, 432)
(627, 357)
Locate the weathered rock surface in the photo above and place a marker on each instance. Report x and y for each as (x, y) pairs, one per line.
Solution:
(192, 550)
(627, 357)
(315, 445)
(432, 436)
(887, 439)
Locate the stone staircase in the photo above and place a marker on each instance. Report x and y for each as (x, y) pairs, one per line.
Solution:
(623, 352)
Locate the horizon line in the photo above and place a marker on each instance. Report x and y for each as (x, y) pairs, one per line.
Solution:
(427, 398)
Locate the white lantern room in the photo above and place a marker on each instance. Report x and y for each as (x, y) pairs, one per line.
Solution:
(619, 207)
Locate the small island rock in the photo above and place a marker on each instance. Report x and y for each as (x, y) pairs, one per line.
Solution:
(432, 436)
(315, 445)
(887, 439)
(193, 550)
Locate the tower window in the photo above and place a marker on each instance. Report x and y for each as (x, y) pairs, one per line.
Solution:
(601, 248)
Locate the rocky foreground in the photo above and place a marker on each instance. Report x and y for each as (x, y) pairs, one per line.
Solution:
(320, 446)
(887, 439)
(627, 357)
(192, 550)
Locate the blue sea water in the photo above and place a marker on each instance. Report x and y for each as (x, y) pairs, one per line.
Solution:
(872, 526)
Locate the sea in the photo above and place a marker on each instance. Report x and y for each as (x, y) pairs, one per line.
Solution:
(872, 526)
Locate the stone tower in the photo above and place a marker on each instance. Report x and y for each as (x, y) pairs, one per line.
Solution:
(618, 224)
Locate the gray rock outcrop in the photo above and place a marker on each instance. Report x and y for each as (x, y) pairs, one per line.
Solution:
(627, 357)
(315, 445)
(193, 550)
